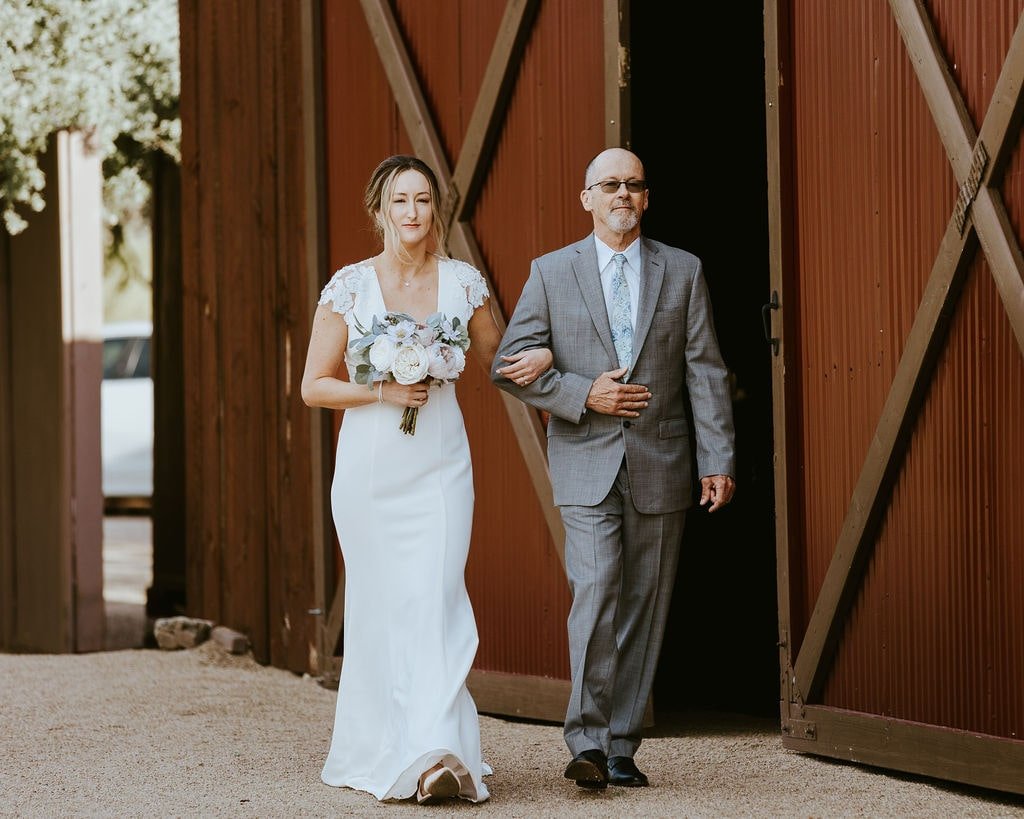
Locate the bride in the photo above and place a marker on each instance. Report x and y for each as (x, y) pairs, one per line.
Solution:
(405, 723)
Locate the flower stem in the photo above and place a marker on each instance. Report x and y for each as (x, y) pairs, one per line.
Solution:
(408, 425)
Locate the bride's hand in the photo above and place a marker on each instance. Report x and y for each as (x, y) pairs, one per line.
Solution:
(525, 367)
(405, 395)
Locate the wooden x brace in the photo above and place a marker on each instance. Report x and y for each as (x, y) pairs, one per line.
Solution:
(979, 162)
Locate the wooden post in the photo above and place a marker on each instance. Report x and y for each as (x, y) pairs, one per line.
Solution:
(7, 596)
(246, 314)
(55, 270)
(167, 594)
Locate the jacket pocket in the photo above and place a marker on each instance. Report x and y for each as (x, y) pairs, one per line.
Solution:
(672, 428)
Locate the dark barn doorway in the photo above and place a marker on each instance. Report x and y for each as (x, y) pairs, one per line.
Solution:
(698, 122)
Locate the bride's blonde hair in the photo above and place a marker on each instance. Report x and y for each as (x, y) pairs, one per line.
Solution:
(380, 189)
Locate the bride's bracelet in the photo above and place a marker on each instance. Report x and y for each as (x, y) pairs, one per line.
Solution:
(380, 392)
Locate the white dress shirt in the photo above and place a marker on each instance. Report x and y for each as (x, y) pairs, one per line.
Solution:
(631, 268)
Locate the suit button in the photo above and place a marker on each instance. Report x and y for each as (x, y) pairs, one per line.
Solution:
(626, 424)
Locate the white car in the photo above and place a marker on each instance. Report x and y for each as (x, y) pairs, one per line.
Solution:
(126, 410)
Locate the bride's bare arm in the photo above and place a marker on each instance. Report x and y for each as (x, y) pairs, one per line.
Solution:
(325, 360)
(485, 338)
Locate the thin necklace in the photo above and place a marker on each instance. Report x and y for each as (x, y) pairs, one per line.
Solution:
(415, 273)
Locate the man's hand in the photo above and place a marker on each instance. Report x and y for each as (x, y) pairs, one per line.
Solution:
(718, 489)
(611, 397)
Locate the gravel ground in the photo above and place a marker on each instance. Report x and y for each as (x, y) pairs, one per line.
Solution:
(202, 733)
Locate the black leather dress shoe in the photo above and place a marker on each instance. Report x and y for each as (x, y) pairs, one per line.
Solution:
(589, 768)
(622, 771)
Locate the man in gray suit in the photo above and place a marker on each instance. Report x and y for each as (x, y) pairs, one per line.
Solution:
(629, 323)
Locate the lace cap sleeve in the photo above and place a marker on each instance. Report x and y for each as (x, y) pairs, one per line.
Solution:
(473, 281)
(341, 290)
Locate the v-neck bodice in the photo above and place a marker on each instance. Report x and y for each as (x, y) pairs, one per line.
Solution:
(355, 293)
(437, 294)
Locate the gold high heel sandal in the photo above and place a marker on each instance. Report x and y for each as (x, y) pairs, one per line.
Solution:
(437, 785)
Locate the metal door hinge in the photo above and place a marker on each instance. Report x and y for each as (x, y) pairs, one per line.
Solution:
(766, 320)
(800, 729)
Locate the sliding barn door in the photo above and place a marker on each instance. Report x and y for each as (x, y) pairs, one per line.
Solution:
(897, 207)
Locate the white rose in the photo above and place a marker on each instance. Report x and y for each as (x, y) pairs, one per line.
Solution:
(456, 362)
(425, 335)
(446, 362)
(382, 353)
(437, 366)
(410, 364)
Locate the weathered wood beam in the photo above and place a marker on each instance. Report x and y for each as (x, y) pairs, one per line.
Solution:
(777, 114)
(490, 107)
(945, 753)
(978, 162)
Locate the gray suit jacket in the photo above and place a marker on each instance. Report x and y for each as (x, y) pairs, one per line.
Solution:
(675, 355)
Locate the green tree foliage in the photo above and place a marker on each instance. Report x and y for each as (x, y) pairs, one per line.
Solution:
(108, 68)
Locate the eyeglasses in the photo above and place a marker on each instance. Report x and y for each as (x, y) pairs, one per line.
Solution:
(613, 185)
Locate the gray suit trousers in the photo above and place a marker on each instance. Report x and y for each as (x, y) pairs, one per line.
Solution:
(621, 567)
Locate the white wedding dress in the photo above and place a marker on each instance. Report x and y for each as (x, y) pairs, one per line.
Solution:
(403, 507)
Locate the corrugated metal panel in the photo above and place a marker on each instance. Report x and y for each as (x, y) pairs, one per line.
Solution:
(863, 256)
(360, 128)
(1003, 489)
(529, 203)
(936, 634)
(943, 596)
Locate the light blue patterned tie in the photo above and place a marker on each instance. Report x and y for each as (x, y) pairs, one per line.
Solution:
(621, 314)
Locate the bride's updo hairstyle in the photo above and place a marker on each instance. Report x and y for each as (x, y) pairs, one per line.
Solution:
(378, 195)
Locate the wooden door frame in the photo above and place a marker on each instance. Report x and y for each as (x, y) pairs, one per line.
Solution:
(461, 186)
(979, 219)
(7, 551)
(320, 436)
(51, 512)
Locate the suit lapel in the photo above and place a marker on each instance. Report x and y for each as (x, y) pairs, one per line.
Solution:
(584, 265)
(650, 290)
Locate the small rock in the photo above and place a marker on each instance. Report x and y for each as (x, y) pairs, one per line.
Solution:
(230, 640)
(180, 632)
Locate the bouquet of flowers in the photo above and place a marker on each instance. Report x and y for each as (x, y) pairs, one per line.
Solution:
(399, 348)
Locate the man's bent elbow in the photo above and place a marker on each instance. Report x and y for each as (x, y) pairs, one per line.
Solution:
(503, 383)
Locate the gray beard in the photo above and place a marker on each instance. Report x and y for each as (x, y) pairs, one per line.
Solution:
(623, 222)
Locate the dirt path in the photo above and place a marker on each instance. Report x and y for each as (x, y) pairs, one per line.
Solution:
(202, 733)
